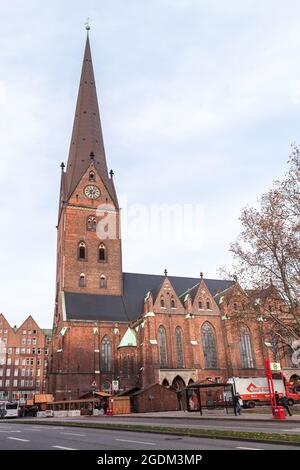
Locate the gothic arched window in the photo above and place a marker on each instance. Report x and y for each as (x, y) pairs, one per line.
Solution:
(162, 302)
(208, 305)
(125, 368)
(179, 348)
(103, 281)
(92, 176)
(200, 304)
(82, 280)
(91, 224)
(82, 251)
(102, 253)
(162, 346)
(209, 346)
(246, 348)
(173, 303)
(106, 355)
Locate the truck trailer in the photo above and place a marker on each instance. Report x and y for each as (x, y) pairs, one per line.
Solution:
(254, 390)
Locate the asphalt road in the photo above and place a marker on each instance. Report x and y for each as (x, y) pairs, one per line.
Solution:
(39, 437)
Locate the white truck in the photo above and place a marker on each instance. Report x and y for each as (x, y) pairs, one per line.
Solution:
(254, 390)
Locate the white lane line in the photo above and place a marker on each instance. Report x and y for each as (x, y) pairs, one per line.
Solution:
(72, 434)
(248, 448)
(17, 439)
(63, 448)
(137, 442)
(291, 430)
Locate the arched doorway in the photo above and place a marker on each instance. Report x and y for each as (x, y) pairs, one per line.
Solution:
(165, 383)
(178, 385)
(191, 382)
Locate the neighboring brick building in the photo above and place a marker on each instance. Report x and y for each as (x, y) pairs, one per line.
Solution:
(23, 359)
(136, 329)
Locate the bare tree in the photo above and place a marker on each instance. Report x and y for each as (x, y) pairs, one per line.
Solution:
(267, 250)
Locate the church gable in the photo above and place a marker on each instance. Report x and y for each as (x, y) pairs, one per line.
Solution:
(91, 190)
(166, 299)
(236, 303)
(203, 302)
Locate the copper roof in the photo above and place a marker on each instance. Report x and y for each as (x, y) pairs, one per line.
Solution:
(87, 135)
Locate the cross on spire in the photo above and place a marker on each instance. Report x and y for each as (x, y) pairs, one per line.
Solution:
(87, 24)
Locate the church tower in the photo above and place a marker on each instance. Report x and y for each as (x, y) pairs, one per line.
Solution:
(89, 244)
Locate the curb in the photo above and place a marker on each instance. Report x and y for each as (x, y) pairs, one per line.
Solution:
(167, 432)
(211, 418)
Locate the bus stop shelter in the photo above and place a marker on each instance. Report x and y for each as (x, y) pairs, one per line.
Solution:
(216, 396)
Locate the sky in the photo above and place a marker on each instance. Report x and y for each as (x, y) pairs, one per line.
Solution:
(199, 102)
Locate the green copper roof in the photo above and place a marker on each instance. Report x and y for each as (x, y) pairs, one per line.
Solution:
(129, 339)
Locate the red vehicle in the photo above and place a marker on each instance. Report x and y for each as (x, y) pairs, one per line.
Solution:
(254, 390)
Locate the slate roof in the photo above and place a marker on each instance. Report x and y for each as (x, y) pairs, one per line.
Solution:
(129, 307)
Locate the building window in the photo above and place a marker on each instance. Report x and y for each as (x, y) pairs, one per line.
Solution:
(209, 346)
(91, 224)
(102, 281)
(162, 346)
(92, 176)
(102, 253)
(179, 348)
(106, 355)
(208, 305)
(200, 305)
(125, 368)
(246, 348)
(82, 251)
(173, 303)
(162, 302)
(82, 280)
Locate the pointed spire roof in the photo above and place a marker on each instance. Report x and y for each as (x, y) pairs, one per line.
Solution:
(87, 135)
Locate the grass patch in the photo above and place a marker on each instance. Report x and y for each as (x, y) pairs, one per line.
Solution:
(292, 439)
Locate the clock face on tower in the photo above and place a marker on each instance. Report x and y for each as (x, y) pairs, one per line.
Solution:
(92, 192)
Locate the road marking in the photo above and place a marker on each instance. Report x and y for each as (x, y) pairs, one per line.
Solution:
(63, 448)
(73, 434)
(137, 442)
(248, 448)
(17, 439)
(8, 430)
(292, 429)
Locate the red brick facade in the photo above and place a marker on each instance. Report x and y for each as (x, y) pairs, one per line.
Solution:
(23, 359)
(176, 337)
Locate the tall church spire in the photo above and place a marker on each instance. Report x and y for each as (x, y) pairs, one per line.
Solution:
(87, 133)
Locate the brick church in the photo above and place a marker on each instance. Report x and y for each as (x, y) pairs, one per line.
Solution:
(132, 330)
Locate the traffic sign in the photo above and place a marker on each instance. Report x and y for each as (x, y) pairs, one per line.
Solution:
(115, 385)
(275, 366)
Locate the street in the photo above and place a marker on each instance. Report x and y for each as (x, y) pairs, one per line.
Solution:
(39, 437)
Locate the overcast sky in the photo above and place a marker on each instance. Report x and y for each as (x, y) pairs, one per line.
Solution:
(199, 100)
